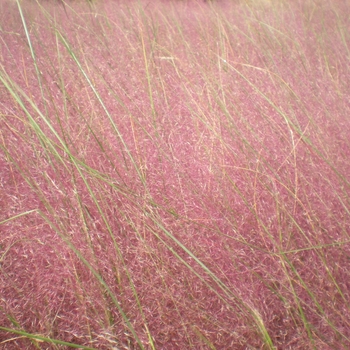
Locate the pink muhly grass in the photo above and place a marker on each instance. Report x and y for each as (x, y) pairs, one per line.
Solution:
(174, 175)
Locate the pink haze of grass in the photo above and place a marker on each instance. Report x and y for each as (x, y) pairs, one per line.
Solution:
(204, 186)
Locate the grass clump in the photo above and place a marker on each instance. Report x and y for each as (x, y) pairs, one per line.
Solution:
(174, 175)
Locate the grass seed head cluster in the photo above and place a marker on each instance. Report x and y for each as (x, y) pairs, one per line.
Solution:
(174, 175)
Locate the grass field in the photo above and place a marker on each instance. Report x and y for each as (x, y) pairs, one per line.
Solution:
(175, 175)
